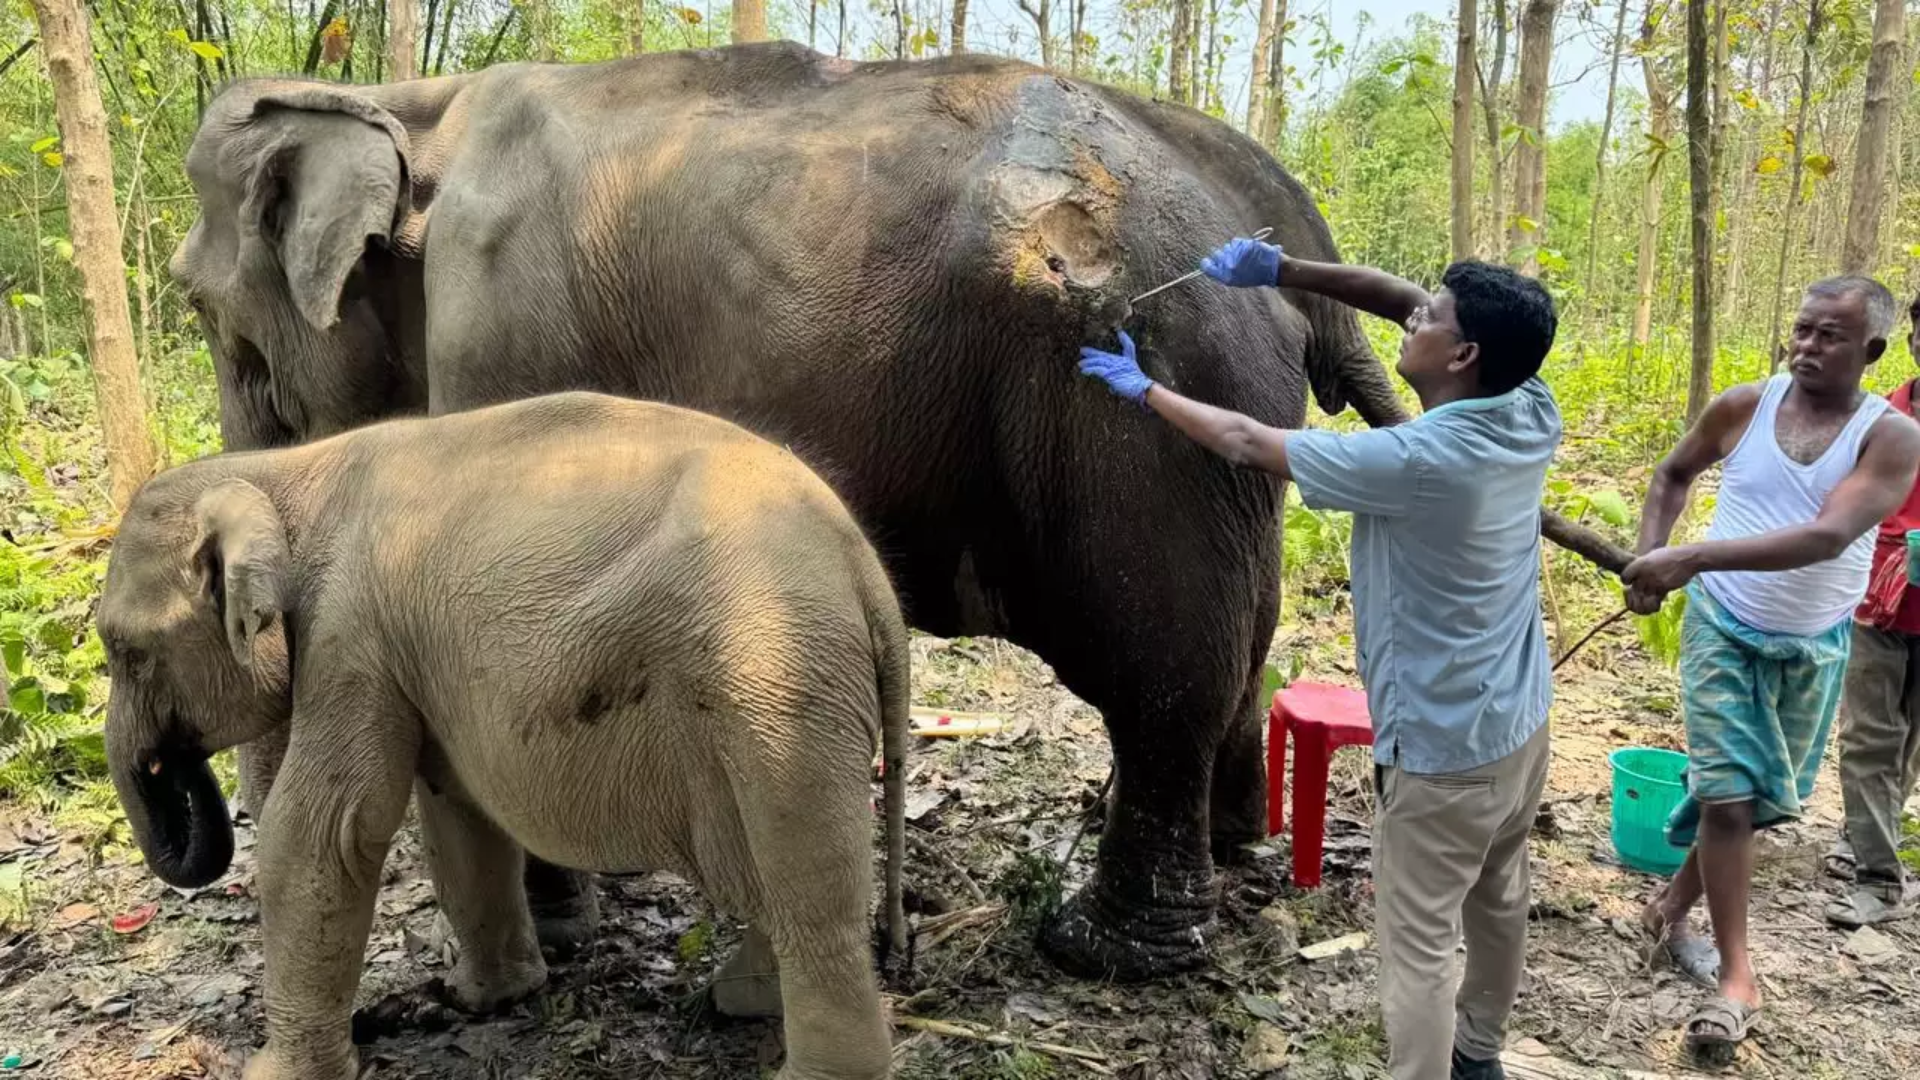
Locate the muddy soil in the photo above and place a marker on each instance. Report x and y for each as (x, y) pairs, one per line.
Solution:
(87, 990)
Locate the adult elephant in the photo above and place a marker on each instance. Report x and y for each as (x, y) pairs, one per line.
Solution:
(887, 266)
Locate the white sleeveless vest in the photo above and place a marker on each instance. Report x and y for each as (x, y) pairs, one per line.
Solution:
(1762, 489)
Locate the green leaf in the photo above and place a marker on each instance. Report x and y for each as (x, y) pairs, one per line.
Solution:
(63, 247)
(1264, 1008)
(13, 649)
(27, 697)
(1768, 165)
(1913, 251)
(27, 300)
(1525, 224)
(54, 159)
(1819, 165)
(44, 145)
(205, 50)
(1611, 506)
(178, 35)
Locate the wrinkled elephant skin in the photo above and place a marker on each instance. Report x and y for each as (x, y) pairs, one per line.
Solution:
(887, 267)
(623, 635)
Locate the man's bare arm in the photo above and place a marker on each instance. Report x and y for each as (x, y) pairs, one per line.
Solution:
(1239, 439)
(1708, 442)
(1373, 291)
(1879, 483)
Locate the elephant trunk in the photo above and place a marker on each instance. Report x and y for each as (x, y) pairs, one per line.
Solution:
(174, 805)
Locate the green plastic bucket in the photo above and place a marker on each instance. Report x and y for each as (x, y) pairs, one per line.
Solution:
(1647, 785)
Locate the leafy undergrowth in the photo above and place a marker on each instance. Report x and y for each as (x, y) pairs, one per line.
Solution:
(993, 817)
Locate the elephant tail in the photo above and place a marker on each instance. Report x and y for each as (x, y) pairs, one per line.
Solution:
(892, 667)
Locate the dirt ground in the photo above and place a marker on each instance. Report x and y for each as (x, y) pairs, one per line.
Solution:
(180, 996)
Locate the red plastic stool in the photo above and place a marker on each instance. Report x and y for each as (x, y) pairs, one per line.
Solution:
(1322, 719)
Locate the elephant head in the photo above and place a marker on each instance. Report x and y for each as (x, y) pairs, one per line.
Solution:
(193, 616)
(303, 189)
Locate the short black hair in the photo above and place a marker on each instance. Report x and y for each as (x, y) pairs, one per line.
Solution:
(1508, 314)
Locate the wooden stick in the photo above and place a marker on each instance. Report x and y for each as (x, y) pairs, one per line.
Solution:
(942, 1027)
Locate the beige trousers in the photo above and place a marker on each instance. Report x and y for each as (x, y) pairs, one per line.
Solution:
(1450, 856)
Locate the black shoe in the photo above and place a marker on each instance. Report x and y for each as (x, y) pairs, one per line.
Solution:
(1466, 1068)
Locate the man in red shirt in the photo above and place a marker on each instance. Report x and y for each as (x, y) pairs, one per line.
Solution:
(1880, 728)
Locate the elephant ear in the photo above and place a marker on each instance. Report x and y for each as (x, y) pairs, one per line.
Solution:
(240, 554)
(333, 173)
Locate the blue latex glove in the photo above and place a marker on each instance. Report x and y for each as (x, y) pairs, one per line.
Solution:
(1121, 372)
(1244, 263)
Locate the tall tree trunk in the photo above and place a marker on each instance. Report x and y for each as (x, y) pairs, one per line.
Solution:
(1077, 19)
(1530, 155)
(1490, 110)
(1700, 198)
(840, 43)
(1275, 122)
(1660, 138)
(1615, 48)
(1816, 14)
(95, 225)
(1465, 66)
(1041, 12)
(1259, 79)
(403, 16)
(1720, 146)
(1179, 84)
(1869, 191)
(637, 18)
(959, 31)
(1210, 84)
(749, 20)
(1197, 74)
(446, 36)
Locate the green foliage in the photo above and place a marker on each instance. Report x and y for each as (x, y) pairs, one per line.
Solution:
(50, 726)
(1033, 887)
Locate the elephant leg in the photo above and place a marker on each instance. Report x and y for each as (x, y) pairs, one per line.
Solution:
(1239, 801)
(323, 840)
(1155, 610)
(474, 866)
(748, 984)
(259, 762)
(565, 906)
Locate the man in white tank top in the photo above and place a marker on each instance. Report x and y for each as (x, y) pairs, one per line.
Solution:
(1812, 464)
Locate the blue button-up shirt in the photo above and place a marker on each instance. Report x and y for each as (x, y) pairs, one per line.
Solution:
(1446, 572)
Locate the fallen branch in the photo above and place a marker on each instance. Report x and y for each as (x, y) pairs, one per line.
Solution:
(941, 927)
(1092, 1059)
(926, 848)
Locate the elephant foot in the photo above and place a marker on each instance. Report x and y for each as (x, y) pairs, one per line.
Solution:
(565, 907)
(1097, 935)
(748, 984)
(1230, 839)
(273, 1063)
(481, 991)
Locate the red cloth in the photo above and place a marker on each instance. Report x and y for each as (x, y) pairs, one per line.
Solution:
(1891, 604)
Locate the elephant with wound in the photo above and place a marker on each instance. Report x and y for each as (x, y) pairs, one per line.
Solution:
(621, 635)
(889, 267)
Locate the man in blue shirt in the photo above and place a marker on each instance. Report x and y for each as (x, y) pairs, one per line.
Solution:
(1446, 556)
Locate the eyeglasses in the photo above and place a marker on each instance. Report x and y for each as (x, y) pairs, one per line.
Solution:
(1422, 317)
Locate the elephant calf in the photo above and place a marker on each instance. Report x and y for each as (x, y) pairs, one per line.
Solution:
(616, 634)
